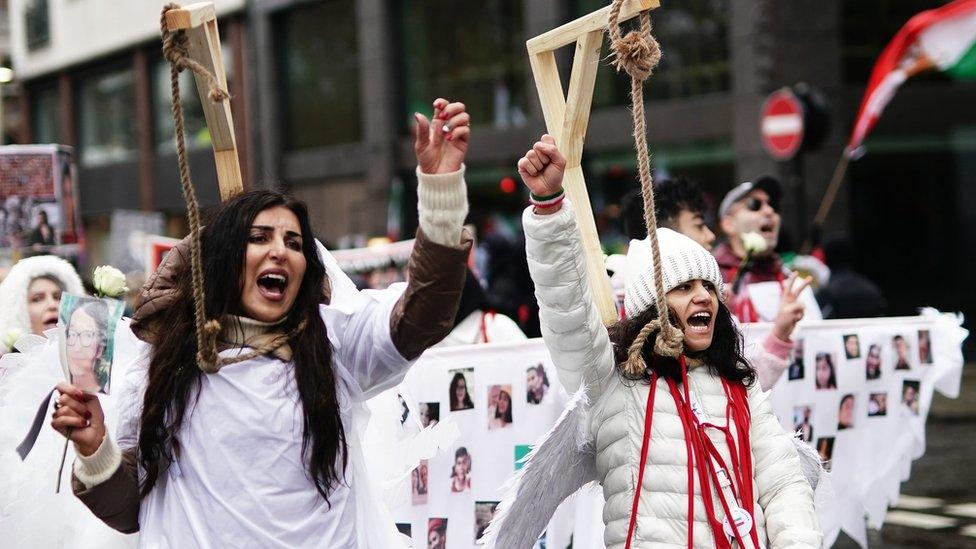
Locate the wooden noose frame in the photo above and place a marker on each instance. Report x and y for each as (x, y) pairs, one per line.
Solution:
(191, 42)
(636, 53)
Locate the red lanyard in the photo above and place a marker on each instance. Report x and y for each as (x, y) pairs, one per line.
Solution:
(701, 452)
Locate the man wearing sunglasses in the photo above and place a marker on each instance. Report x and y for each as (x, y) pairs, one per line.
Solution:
(761, 287)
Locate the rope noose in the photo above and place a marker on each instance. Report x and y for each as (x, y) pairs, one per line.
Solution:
(637, 53)
(175, 49)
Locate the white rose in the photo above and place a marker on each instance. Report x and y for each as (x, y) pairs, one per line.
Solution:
(11, 337)
(109, 281)
(754, 243)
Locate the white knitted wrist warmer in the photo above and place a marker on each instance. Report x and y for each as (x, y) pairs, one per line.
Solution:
(98, 467)
(442, 202)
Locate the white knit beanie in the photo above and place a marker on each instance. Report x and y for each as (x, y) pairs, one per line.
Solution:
(682, 260)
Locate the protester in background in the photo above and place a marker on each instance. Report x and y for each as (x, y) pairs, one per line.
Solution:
(477, 322)
(31, 294)
(847, 294)
(680, 206)
(749, 217)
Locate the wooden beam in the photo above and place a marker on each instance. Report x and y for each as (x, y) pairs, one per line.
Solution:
(597, 20)
(567, 118)
(199, 21)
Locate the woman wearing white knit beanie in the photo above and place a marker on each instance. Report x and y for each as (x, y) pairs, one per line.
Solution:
(687, 450)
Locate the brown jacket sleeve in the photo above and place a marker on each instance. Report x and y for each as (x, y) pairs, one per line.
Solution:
(425, 313)
(115, 501)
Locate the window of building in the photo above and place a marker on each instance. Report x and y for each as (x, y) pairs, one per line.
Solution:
(37, 24)
(319, 60)
(106, 113)
(867, 26)
(694, 36)
(46, 115)
(197, 133)
(478, 58)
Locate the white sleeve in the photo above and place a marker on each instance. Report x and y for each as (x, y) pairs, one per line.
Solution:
(571, 326)
(131, 367)
(358, 324)
(783, 492)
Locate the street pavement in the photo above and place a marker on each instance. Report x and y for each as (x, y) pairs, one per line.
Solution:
(937, 508)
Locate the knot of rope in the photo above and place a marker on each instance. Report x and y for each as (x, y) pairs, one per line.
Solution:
(637, 52)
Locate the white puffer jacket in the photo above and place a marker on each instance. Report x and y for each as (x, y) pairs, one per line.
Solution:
(581, 350)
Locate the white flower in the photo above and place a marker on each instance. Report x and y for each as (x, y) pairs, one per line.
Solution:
(109, 281)
(754, 243)
(11, 337)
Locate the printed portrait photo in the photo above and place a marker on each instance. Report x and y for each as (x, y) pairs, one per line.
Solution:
(900, 345)
(404, 409)
(536, 384)
(872, 363)
(795, 370)
(910, 396)
(803, 422)
(437, 533)
(878, 404)
(499, 406)
(430, 413)
(924, 347)
(484, 511)
(405, 528)
(824, 375)
(88, 340)
(845, 415)
(461, 471)
(418, 483)
(852, 346)
(460, 390)
(825, 447)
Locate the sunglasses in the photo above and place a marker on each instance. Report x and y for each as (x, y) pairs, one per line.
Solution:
(754, 204)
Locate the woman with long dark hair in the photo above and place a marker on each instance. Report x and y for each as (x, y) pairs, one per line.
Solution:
(266, 451)
(687, 449)
(460, 396)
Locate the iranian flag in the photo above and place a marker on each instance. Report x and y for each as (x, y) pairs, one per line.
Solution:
(939, 39)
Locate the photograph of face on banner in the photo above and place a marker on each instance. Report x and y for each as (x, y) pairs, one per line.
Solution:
(88, 340)
(852, 346)
(824, 374)
(795, 370)
(845, 414)
(437, 533)
(909, 395)
(536, 384)
(459, 391)
(499, 406)
(825, 447)
(484, 511)
(430, 413)
(418, 483)
(900, 345)
(924, 347)
(461, 471)
(872, 363)
(803, 422)
(878, 404)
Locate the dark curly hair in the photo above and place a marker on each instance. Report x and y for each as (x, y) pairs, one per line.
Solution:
(724, 356)
(671, 197)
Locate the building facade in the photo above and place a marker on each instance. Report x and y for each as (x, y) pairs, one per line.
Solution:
(324, 93)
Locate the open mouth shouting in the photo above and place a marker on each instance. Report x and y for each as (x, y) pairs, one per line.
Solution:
(699, 322)
(272, 284)
(50, 320)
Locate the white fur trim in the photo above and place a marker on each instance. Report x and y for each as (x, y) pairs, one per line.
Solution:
(13, 289)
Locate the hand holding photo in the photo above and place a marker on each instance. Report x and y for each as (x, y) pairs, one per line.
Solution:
(88, 340)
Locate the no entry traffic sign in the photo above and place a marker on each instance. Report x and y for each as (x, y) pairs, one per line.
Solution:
(781, 124)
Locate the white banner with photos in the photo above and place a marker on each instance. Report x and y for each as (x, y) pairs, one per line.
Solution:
(862, 404)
